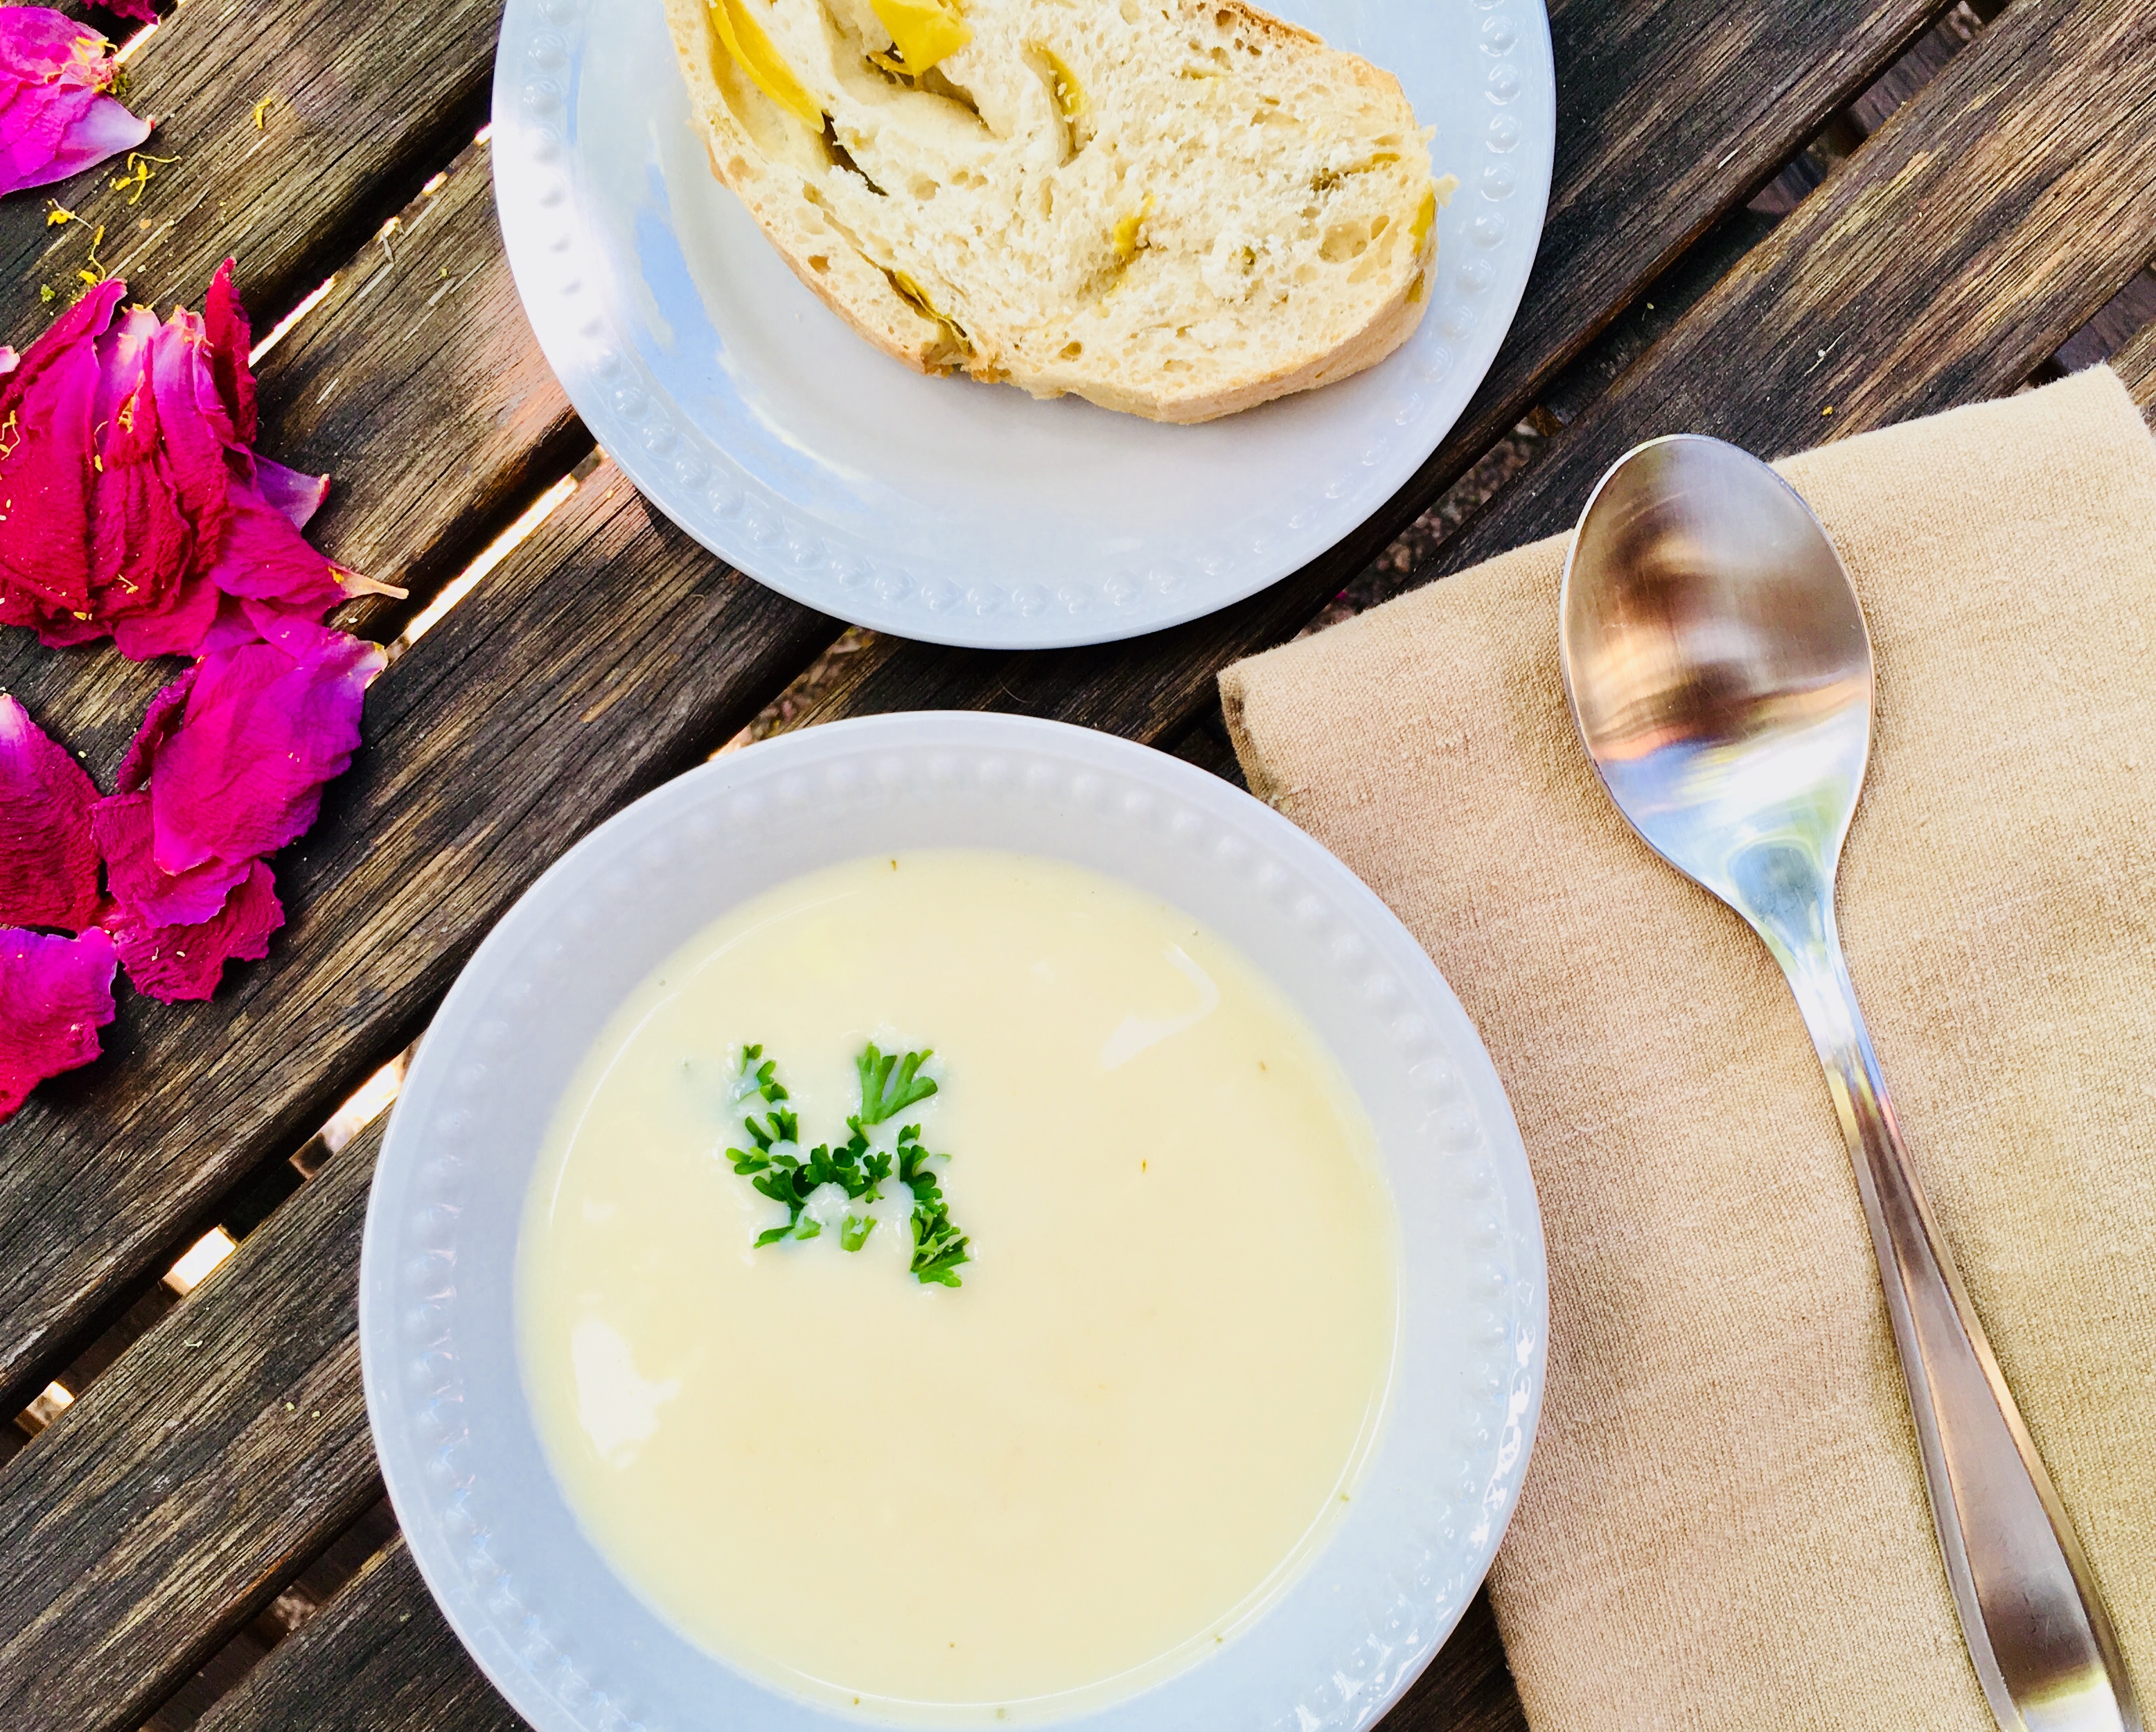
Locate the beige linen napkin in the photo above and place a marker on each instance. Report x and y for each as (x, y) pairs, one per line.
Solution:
(1724, 1522)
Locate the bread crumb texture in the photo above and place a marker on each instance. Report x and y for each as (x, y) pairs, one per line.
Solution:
(1180, 210)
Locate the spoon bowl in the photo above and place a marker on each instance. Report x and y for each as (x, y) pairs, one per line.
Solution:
(1718, 665)
(1723, 688)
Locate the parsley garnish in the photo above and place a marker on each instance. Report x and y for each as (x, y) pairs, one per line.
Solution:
(881, 1098)
(938, 1246)
(889, 1084)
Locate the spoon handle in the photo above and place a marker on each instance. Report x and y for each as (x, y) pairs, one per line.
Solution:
(2035, 1625)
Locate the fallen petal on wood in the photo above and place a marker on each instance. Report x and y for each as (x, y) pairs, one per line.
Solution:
(55, 994)
(56, 116)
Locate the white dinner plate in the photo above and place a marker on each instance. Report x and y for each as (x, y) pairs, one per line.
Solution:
(940, 508)
(575, 1649)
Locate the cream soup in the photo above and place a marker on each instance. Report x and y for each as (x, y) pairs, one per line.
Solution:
(1122, 1433)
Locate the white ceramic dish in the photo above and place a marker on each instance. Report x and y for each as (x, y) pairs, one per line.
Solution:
(573, 1648)
(941, 509)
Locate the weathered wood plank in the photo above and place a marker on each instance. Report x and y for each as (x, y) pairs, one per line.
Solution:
(1942, 263)
(606, 655)
(378, 1657)
(418, 386)
(1669, 114)
(417, 383)
(2136, 364)
(172, 1501)
(364, 102)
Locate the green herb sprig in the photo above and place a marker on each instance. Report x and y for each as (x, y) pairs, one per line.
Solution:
(938, 1246)
(884, 1096)
(890, 1083)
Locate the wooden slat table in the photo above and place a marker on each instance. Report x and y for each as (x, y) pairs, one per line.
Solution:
(1773, 221)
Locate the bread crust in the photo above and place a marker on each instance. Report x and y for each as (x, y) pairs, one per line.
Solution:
(837, 267)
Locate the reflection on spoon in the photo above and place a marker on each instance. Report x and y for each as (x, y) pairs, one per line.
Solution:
(617, 1408)
(1133, 1034)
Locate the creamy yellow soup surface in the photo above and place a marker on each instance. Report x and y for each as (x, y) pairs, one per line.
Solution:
(1080, 1470)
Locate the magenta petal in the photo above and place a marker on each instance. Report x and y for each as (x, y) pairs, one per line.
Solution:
(172, 963)
(236, 623)
(99, 130)
(124, 352)
(261, 555)
(243, 774)
(194, 425)
(61, 630)
(159, 723)
(224, 324)
(298, 497)
(181, 627)
(55, 118)
(9, 360)
(142, 9)
(38, 45)
(146, 896)
(301, 639)
(45, 468)
(48, 855)
(142, 540)
(55, 994)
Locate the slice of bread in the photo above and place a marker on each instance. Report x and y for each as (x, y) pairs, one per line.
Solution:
(1176, 207)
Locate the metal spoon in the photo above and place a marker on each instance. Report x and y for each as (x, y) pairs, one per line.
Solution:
(1719, 669)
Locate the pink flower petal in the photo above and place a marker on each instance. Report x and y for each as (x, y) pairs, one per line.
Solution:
(141, 538)
(194, 425)
(224, 322)
(134, 505)
(298, 497)
(247, 545)
(160, 722)
(46, 473)
(55, 994)
(260, 555)
(263, 730)
(142, 9)
(39, 45)
(180, 629)
(122, 825)
(236, 623)
(8, 360)
(123, 364)
(146, 896)
(48, 855)
(172, 963)
(55, 118)
(97, 128)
